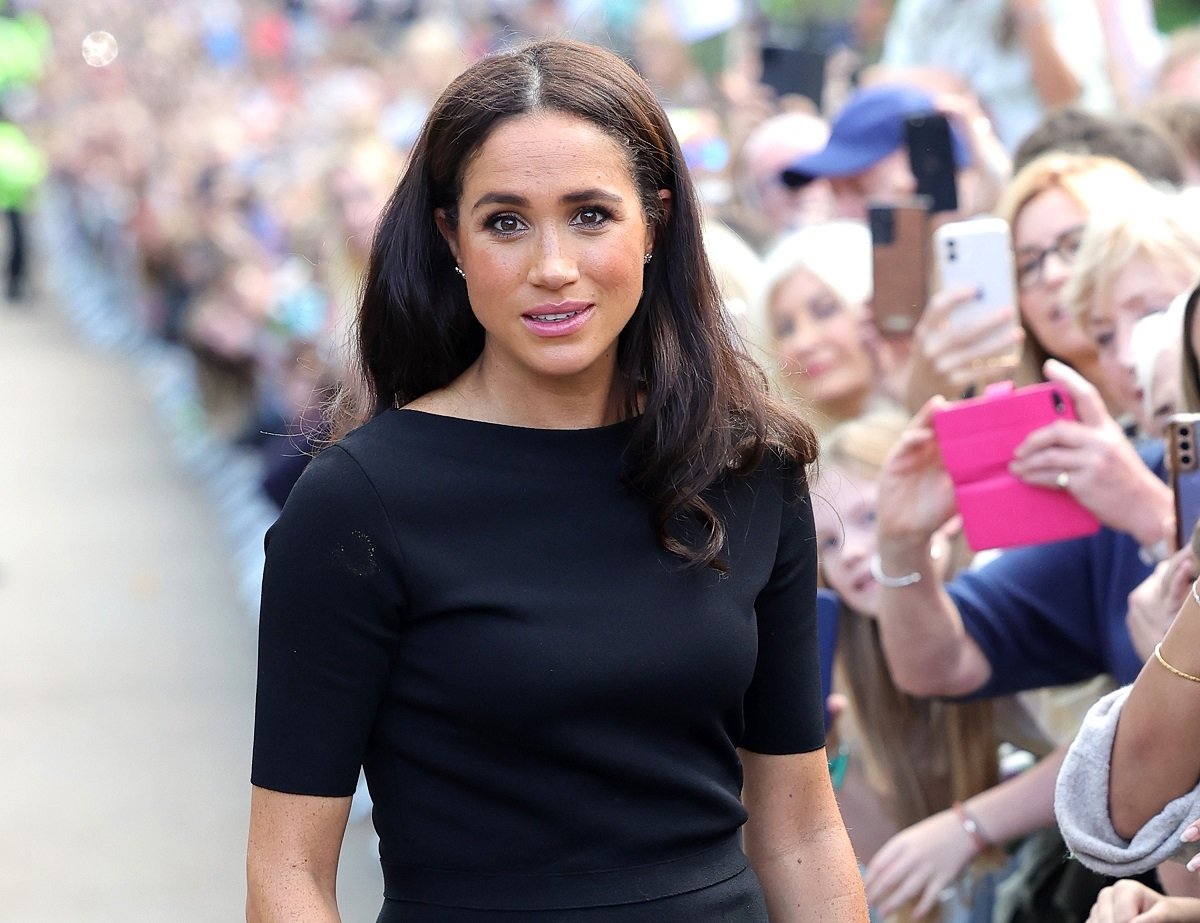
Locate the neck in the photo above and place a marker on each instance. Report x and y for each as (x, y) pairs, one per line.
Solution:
(494, 392)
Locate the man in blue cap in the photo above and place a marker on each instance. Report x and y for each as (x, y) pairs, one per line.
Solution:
(866, 158)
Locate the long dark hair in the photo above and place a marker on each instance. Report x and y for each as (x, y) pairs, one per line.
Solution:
(704, 406)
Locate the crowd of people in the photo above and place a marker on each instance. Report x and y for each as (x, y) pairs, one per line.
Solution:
(229, 166)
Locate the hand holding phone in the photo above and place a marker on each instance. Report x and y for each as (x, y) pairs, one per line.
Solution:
(977, 438)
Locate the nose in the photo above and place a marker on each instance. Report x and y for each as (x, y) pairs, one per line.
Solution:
(553, 265)
(1054, 269)
(1123, 351)
(857, 545)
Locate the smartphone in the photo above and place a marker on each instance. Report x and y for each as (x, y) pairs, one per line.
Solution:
(900, 247)
(798, 71)
(1183, 464)
(977, 438)
(931, 157)
(977, 254)
(827, 635)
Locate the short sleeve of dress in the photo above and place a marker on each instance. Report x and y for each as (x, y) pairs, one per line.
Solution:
(782, 708)
(332, 601)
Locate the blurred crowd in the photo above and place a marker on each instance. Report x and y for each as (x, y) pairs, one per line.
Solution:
(215, 169)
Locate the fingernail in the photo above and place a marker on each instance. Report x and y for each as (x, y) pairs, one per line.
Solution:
(1191, 834)
(1193, 863)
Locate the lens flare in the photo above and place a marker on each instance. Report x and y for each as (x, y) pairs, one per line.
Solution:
(99, 49)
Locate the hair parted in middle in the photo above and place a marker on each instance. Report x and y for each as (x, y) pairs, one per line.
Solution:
(702, 402)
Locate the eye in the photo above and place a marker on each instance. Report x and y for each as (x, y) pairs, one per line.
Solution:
(1069, 242)
(592, 217)
(823, 308)
(784, 328)
(1103, 338)
(505, 224)
(828, 544)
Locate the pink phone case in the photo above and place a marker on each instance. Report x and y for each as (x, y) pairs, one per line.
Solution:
(977, 438)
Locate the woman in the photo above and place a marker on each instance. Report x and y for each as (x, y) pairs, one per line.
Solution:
(1047, 206)
(810, 320)
(556, 595)
(1134, 260)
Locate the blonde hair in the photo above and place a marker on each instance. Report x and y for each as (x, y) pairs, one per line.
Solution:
(1087, 179)
(1156, 225)
(928, 752)
(836, 253)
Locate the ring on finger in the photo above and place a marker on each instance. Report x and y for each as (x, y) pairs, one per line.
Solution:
(1063, 481)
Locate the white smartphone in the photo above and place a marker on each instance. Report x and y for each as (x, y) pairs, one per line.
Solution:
(977, 253)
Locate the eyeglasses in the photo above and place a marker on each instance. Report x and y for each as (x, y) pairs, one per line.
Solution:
(1032, 266)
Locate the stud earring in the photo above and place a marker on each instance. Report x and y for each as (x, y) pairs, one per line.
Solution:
(458, 269)
(648, 256)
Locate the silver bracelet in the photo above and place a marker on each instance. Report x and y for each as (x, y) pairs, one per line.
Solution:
(1195, 595)
(892, 583)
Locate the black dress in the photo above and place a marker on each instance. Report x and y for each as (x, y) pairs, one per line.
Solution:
(547, 704)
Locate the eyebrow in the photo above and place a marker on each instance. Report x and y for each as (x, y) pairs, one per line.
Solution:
(570, 198)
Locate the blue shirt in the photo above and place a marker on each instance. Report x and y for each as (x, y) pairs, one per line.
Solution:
(1054, 614)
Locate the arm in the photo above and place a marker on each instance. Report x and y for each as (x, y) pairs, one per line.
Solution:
(796, 840)
(927, 648)
(292, 857)
(1055, 82)
(1152, 761)
(922, 860)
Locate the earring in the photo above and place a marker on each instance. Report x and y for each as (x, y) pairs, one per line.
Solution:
(647, 259)
(458, 269)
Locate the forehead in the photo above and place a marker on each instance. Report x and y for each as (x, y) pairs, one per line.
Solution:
(540, 149)
(841, 491)
(1045, 216)
(1143, 279)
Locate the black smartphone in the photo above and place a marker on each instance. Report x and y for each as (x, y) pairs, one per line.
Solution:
(1183, 463)
(931, 156)
(796, 71)
(900, 253)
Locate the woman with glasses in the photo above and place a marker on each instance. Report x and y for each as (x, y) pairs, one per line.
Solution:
(1047, 206)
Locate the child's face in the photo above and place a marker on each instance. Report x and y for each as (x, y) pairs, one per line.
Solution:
(845, 519)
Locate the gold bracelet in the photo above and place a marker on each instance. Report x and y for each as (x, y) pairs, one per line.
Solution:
(1159, 657)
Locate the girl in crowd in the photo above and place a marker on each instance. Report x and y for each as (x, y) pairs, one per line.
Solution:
(555, 593)
(915, 757)
(930, 766)
(810, 319)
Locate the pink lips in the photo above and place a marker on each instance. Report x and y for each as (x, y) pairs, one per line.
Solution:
(557, 320)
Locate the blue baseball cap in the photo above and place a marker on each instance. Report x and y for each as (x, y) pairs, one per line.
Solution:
(869, 127)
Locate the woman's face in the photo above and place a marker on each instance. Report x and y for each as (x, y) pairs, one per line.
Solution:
(845, 522)
(552, 238)
(1140, 288)
(1046, 236)
(820, 345)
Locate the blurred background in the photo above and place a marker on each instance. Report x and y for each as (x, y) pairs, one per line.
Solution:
(189, 192)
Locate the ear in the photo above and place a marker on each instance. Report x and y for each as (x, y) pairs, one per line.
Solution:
(664, 196)
(448, 232)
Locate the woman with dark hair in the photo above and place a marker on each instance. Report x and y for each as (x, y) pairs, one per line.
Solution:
(554, 587)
